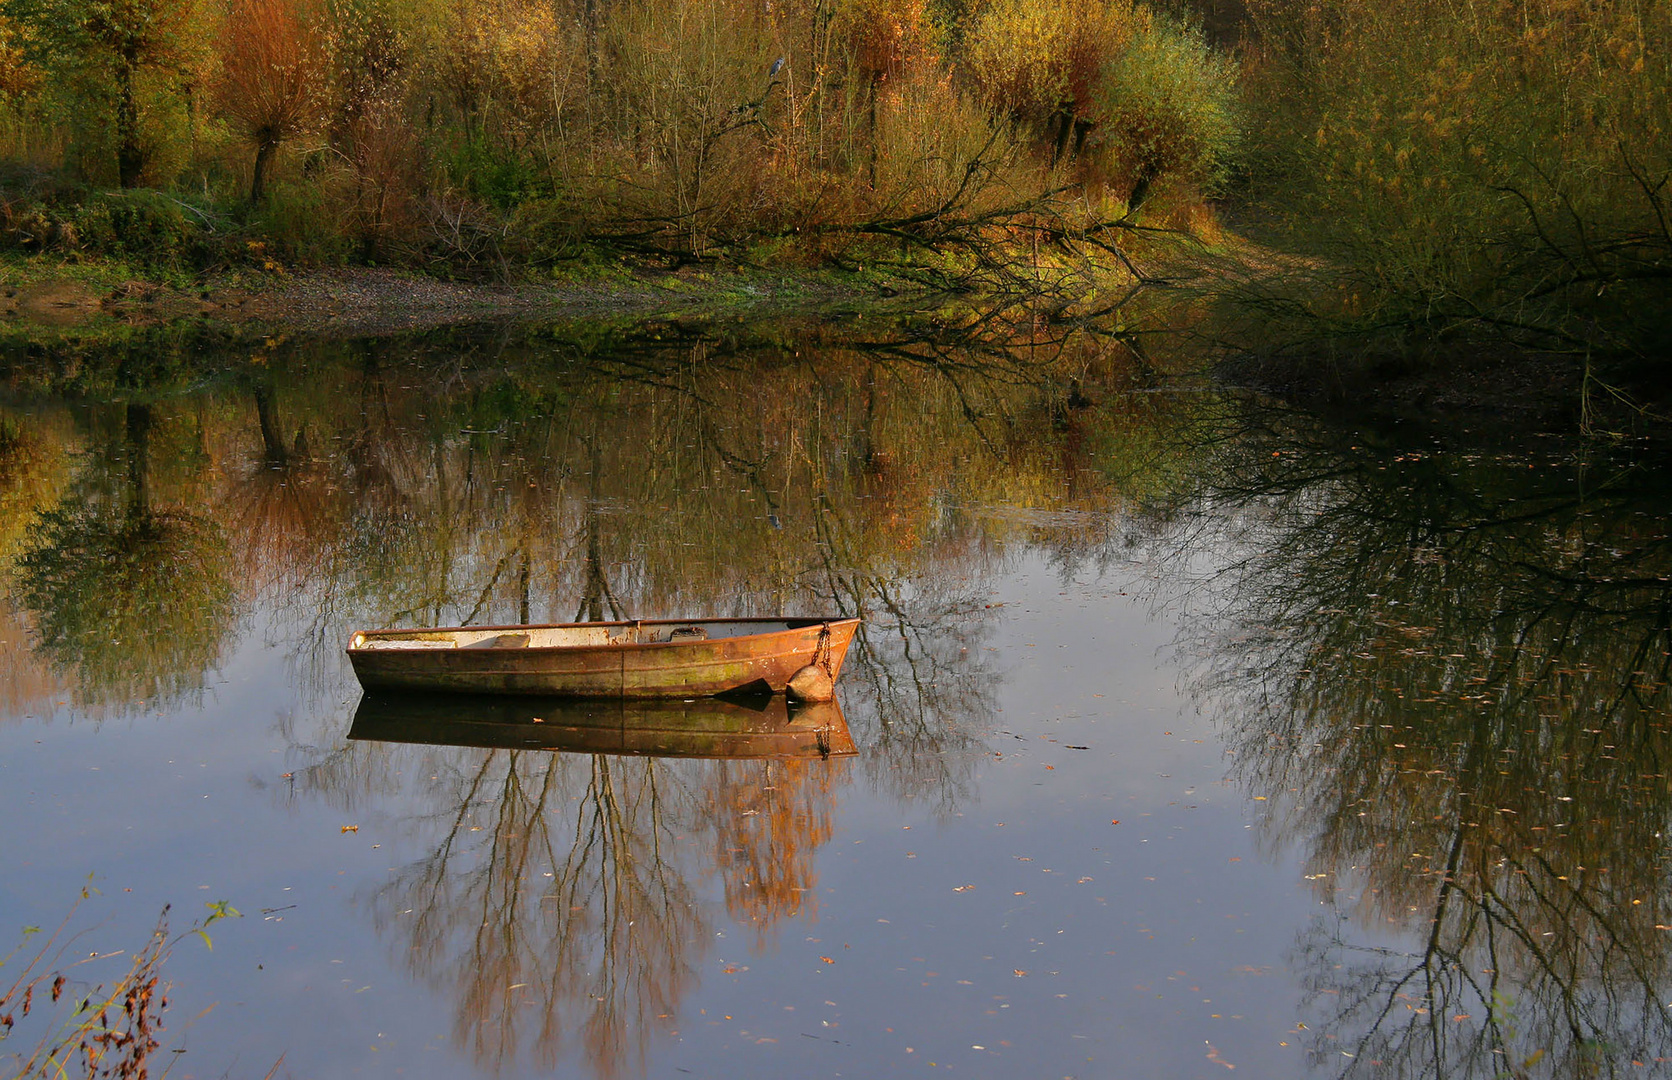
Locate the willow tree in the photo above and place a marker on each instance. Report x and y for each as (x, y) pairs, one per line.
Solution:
(272, 77)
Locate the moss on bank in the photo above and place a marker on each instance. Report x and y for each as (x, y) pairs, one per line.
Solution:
(45, 298)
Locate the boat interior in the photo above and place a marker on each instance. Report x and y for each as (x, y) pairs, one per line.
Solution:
(558, 637)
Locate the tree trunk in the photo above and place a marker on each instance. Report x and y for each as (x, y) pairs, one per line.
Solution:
(875, 79)
(272, 443)
(1147, 173)
(1065, 128)
(130, 155)
(263, 157)
(1082, 128)
(139, 461)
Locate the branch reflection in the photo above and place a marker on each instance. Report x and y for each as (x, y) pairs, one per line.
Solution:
(1448, 672)
(566, 901)
(562, 896)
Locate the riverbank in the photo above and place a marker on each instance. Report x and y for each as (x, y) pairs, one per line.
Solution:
(52, 303)
(39, 296)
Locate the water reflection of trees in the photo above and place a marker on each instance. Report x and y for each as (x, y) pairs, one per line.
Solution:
(566, 902)
(560, 902)
(34, 467)
(664, 469)
(1448, 673)
(132, 598)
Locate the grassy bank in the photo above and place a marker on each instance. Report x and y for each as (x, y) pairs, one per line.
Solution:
(963, 147)
(42, 297)
(1327, 193)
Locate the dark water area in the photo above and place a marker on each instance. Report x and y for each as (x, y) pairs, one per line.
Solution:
(1192, 733)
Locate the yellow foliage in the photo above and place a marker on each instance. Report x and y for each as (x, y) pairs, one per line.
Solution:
(18, 77)
(1034, 58)
(508, 65)
(888, 36)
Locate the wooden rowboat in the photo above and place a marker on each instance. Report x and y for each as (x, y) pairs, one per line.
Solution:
(644, 658)
(764, 727)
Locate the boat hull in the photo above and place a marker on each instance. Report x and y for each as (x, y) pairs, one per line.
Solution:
(702, 728)
(741, 656)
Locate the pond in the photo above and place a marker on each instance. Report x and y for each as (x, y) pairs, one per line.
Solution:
(1193, 733)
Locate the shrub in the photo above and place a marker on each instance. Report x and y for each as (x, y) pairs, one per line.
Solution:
(1041, 61)
(1168, 109)
(1493, 169)
(140, 223)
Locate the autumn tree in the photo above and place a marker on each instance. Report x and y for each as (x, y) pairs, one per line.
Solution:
(886, 37)
(17, 75)
(111, 45)
(272, 77)
(1041, 62)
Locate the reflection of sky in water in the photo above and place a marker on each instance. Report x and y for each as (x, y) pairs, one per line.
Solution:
(970, 900)
(191, 807)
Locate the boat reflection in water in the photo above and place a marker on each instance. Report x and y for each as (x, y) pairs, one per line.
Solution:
(760, 727)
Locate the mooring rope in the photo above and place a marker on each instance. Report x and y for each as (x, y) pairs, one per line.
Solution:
(821, 652)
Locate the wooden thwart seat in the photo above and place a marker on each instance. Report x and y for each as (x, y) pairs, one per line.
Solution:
(501, 641)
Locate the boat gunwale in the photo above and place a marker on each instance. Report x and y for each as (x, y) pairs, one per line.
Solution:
(811, 623)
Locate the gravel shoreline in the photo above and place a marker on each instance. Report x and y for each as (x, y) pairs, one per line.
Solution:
(357, 302)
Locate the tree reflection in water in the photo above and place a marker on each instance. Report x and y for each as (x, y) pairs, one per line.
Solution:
(134, 600)
(550, 898)
(34, 468)
(564, 901)
(1448, 674)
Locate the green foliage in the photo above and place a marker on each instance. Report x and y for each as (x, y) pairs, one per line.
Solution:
(96, 583)
(115, 73)
(496, 175)
(133, 600)
(1495, 171)
(139, 223)
(1169, 108)
(152, 228)
(298, 222)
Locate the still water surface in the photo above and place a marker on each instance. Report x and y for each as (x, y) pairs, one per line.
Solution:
(1192, 734)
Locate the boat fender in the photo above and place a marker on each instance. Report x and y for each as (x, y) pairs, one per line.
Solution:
(811, 683)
